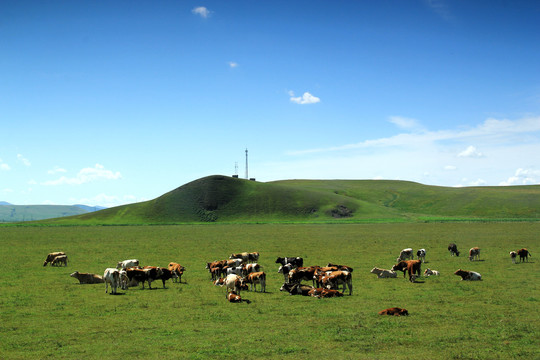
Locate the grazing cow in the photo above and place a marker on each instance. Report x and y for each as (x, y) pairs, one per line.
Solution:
(395, 311)
(86, 278)
(405, 254)
(513, 256)
(296, 289)
(60, 259)
(302, 273)
(341, 267)
(421, 254)
(294, 261)
(523, 254)
(468, 275)
(141, 275)
(474, 253)
(127, 264)
(382, 273)
(111, 276)
(430, 272)
(257, 278)
(253, 257)
(234, 298)
(177, 271)
(238, 270)
(453, 249)
(412, 266)
(242, 256)
(51, 256)
(337, 278)
(285, 269)
(235, 283)
(251, 268)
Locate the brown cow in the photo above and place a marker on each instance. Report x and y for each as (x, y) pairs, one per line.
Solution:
(86, 278)
(328, 293)
(51, 256)
(412, 266)
(59, 260)
(468, 275)
(177, 271)
(234, 298)
(257, 278)
(394, 311)
(523, 254)
(474, 253)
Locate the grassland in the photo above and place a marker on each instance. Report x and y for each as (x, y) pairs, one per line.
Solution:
(47, 314)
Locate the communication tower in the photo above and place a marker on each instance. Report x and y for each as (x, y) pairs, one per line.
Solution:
(247, 177)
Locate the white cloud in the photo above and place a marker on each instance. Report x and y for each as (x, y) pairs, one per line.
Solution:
(23, 160)
(86, 175)
(4, 166)
(233, 64)
(470, 152)
(523, 177)
(201, 11)
(56, 170)
(405, 123)
(307, 98)
(450, 168)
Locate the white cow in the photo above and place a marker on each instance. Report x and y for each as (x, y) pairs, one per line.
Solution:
(429, 272)
(111, 276)
(421, 254)
(126, 264)
(513, 255)
(284, 269)
(238, 270)
(383, 273)
(405, 254)
(235, 283)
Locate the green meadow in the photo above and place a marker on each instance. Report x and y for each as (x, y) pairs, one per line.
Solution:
(46, 314)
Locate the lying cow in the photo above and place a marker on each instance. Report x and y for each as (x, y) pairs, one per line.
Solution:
(86, 278)
(468, 275)
(59, 260)
(513, 256)
(296, 289)
(395, 311)
(328, 293)
(235, 298)
(474, 253)
(410, 266)
(523, 254)
(383, 274)
(127, 264)
(50, 257)
(453, 249)
(111, 276)
(257, 278)
(405, 254)
(294, 261)
(430, 272)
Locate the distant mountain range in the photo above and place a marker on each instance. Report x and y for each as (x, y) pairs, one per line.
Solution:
(16, 213)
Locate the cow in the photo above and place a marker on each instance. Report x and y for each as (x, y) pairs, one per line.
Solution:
(217, 263)
(302, 273)
(86, 278)
(164, 274)
(412, 266)
(253, 257)
(127, 264)
(429, 272)
(405, 254)
(395, 311)
(468, 275)
(294, 261)
(257, 278)
(235, 283)
(523, 254)
(296, 289)
(234, 262)
(341, 267)
(337, 278)
(513, 256)
(60, 259)
(328, 293)
(50, 257)
(238, 270)
(251, 268)
(285, 269)
(242, 256)
(383, 273)
(315, 292)
(219, 282)
(111, 276)
(141, 275)
(421, 255)
(215, 272)
(177, 271)
(474, 253)
(235, 298)
(453, 249)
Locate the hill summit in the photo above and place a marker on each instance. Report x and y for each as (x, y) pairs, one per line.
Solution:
(219, 198)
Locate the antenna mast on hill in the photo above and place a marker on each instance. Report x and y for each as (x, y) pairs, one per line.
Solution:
(247, 177)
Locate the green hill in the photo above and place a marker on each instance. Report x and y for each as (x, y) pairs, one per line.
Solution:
(225, 199)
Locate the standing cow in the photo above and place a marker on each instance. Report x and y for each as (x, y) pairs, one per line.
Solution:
(51, 256)
(453, 249)
(111, 276)
(474, 253)
(523, 255)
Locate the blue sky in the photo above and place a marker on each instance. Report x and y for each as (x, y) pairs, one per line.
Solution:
(114, 102)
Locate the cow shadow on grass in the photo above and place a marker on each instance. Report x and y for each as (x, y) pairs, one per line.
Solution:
(118, 294)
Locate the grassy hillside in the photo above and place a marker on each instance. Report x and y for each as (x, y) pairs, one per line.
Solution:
(224, 199)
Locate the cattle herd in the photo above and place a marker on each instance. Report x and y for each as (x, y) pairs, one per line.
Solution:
(242, 272)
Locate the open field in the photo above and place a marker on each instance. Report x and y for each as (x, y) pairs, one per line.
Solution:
(47, 314)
